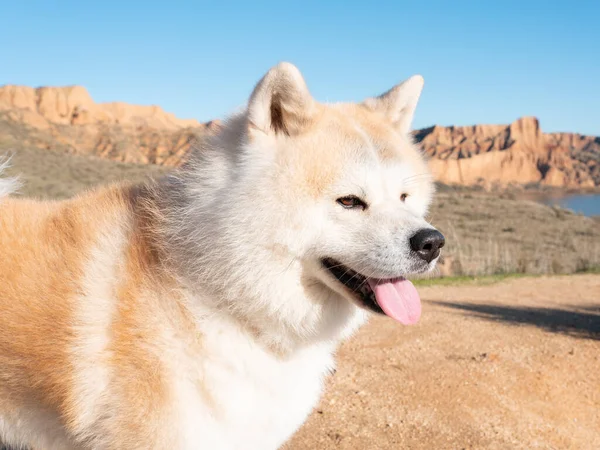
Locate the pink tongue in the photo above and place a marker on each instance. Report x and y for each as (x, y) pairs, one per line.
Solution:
(398, 298)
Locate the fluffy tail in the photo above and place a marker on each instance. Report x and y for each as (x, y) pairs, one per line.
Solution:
(7, 185)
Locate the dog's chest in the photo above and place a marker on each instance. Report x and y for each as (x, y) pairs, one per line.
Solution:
(246, 398)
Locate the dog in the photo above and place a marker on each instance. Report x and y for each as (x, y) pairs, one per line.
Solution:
(202, 310)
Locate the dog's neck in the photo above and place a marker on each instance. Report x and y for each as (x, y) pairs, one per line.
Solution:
(260, 286)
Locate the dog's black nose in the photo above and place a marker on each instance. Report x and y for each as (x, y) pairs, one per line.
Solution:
(427, 244)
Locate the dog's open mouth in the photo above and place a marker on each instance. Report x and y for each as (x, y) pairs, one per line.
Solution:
(396, 297)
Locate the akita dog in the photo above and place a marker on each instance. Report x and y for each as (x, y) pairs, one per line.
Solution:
(202, 310)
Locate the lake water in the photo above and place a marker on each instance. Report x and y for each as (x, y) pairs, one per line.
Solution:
(586, 204)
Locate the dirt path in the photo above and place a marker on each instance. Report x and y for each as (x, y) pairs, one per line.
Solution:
(513, 365)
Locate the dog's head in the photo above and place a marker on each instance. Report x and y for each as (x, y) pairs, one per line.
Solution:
(354, 188)
(324, 202)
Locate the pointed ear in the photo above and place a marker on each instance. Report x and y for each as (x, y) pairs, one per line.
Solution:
(281, 102)
(399, 103)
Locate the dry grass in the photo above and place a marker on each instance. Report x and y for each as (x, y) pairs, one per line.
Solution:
(486, 234)
(46, 174)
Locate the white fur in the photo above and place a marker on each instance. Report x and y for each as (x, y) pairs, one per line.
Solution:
(35, 428)
(250, 254)
(7, 185)
(260, 399)
(91, 325)
(400, 102)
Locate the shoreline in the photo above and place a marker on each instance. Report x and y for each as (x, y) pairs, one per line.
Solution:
(519, 189)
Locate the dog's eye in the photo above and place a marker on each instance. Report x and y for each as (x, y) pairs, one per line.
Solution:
(403, 197)
(351, 202)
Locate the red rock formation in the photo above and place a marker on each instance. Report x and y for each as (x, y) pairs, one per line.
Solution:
(68, 118)
(515, 154)
(73, 105)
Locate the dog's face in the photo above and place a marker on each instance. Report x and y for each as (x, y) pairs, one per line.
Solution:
(351, 189)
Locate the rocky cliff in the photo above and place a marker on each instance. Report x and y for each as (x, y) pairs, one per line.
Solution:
(518, 153)
(66, 118)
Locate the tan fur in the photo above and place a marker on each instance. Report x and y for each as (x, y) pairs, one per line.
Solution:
(44, 249)
(337, 133)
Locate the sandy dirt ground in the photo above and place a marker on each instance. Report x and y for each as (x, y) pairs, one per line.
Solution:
(511, 365)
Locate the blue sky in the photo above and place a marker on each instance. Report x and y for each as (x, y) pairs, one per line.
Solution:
(483, 61)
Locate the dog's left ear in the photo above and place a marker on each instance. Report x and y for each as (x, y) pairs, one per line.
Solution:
(281, 102)
(399, 103)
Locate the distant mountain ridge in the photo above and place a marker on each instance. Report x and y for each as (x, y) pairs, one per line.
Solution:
(518, 153)
(67, 119)
(73, 105)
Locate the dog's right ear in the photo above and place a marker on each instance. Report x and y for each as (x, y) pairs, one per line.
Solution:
(281, 102)
(399, 103)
